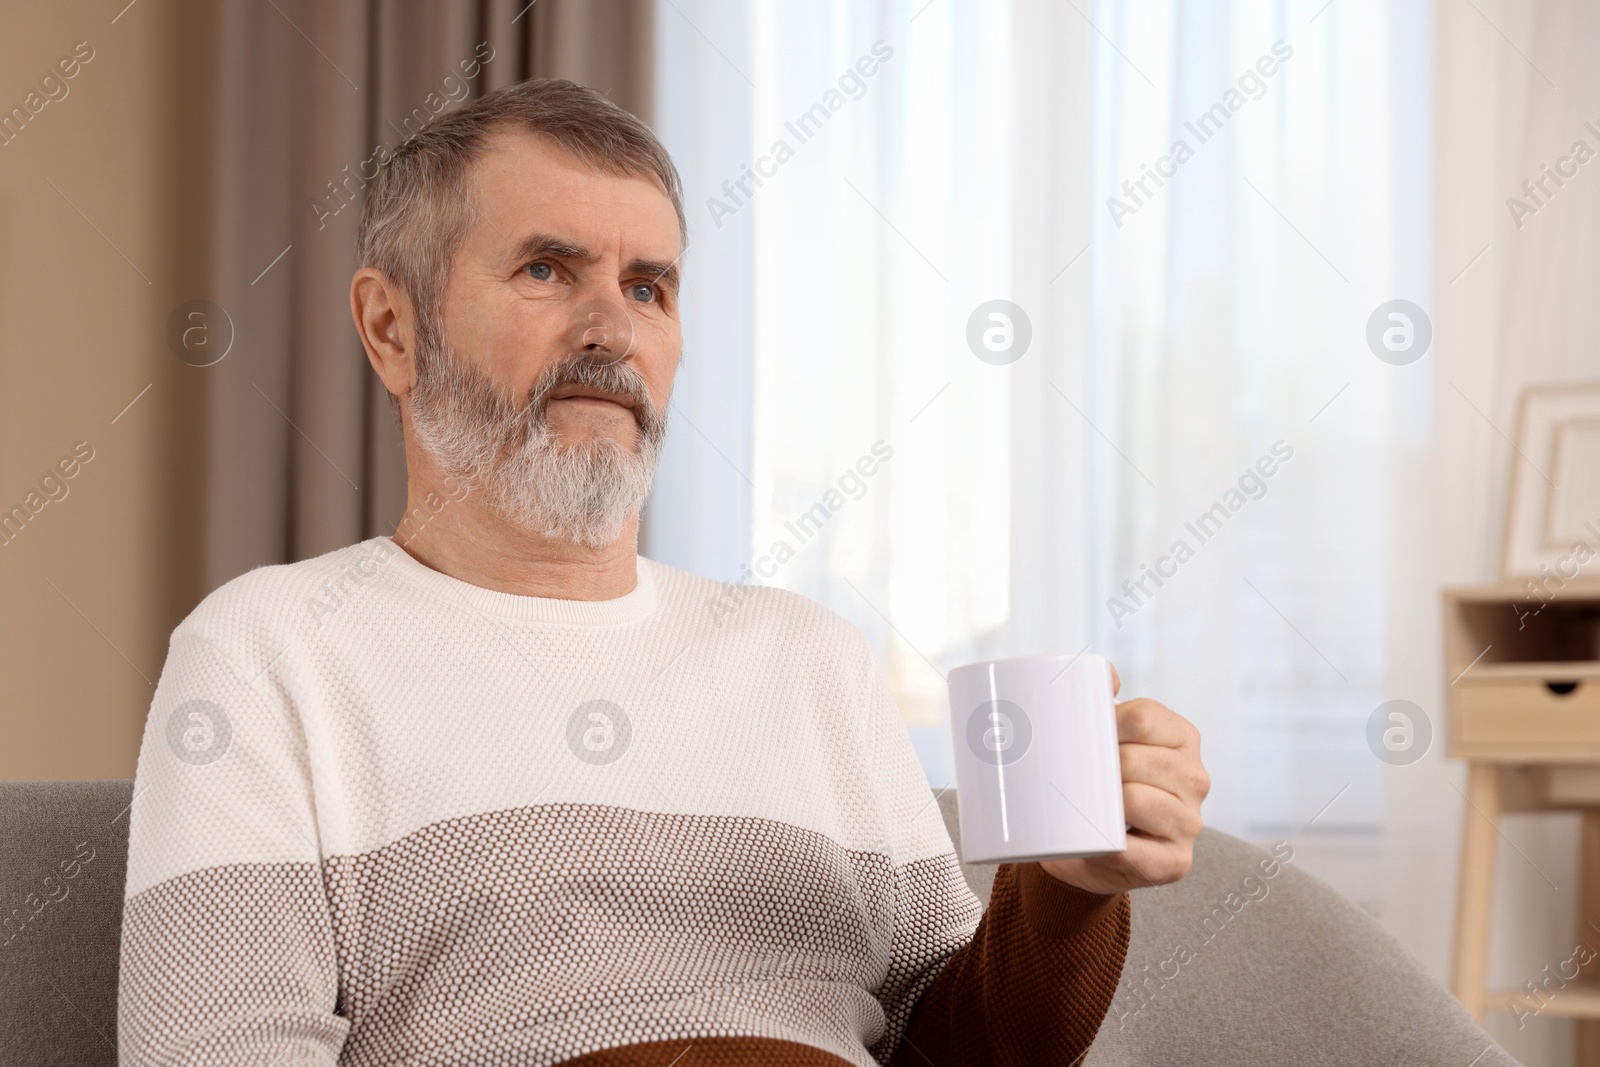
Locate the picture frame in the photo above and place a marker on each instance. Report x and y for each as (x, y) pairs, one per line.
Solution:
(1554, 498)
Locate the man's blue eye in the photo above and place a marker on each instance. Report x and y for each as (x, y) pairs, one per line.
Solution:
(648, 293)
(534, 269)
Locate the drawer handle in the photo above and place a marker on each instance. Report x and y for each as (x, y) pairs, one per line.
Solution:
(1561, 689)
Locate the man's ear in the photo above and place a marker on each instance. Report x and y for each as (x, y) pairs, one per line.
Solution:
(387, 327)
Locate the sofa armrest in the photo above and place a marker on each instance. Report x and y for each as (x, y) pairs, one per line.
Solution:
(1250, 961)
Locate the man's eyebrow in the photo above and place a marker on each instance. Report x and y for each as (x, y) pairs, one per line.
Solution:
(549, 244)
(665, 273)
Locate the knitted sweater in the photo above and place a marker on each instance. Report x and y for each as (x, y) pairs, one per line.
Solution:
(386, 817)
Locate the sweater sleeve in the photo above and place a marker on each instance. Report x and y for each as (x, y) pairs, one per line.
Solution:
(1026, 981)
(227, 953)
(1033, 984)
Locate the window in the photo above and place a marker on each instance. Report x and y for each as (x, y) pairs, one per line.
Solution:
(1194, 316)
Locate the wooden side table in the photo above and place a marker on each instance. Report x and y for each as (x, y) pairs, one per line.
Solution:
(1523, 709)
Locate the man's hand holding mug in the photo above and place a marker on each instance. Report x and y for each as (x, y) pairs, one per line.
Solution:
(1049, 767)
(1163, 783)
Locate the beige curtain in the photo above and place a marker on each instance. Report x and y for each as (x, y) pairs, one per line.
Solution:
(303, 455)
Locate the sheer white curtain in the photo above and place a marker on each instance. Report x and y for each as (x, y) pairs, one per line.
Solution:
(1177, 337)
(931, 159)
(1230, 305)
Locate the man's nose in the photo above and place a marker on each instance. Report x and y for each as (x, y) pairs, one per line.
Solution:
(602, 328)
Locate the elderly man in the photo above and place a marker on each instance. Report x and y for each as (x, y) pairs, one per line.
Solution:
(498, 789)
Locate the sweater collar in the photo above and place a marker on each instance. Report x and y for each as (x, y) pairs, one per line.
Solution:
(631, 606)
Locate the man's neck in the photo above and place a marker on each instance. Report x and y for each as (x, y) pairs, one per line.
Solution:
(450, 531)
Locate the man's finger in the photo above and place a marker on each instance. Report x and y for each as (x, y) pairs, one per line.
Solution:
(1150, 861)
(1178, 772)
(1158, 813)
(1149, 723)
(1116, 679)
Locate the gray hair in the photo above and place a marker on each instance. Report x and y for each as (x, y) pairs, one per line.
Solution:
(419, 206)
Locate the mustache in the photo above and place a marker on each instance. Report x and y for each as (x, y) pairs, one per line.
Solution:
(608, 375)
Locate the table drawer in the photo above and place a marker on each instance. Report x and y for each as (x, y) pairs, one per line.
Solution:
(1525, 717)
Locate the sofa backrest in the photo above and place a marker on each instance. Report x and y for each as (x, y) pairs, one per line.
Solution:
(63, 854)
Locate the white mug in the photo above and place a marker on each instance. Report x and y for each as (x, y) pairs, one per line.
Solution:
(1038, 775)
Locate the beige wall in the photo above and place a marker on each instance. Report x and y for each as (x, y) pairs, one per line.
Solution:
(96, 580)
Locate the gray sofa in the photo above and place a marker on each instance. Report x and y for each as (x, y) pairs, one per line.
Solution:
(1233, 965)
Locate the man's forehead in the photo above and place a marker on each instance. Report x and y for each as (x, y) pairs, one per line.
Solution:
(526, 184)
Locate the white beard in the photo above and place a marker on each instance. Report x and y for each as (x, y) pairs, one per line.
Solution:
(583, 492)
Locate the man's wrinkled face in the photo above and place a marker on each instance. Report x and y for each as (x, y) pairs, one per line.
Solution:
(547, 379)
